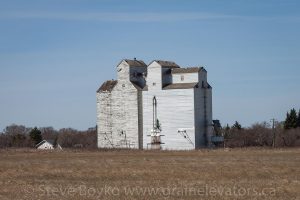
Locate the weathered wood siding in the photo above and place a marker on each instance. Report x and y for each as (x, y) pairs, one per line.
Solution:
(118, 112)
(104, 120)
(125, 115)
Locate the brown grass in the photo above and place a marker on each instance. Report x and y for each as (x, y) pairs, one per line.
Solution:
(205, 174)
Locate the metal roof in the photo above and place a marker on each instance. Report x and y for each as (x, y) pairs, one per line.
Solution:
(180, 86)
(167, 64)
(186, 70)
(135, 63)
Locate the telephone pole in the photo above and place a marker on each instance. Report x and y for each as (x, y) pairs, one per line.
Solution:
(273, 131)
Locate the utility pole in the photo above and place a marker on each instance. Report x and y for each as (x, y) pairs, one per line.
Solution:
(273, 131)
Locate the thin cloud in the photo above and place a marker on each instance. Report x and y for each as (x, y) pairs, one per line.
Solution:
(139, 16)
(116, 17)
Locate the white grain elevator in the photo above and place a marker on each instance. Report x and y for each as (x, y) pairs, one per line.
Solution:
(155, 106)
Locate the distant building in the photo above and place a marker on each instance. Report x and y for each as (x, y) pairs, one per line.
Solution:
(47, 145)
(157, 106)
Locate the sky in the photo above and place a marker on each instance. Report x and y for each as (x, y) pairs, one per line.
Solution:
(55, 54)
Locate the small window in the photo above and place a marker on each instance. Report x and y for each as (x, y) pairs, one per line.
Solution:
(154, 84)
(182, 78)
(123, 85)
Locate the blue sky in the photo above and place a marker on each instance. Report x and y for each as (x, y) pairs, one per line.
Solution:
(55, 54)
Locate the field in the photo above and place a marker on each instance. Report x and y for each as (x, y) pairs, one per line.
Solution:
(124, 174)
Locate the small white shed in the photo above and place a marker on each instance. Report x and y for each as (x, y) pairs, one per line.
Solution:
(47, 144)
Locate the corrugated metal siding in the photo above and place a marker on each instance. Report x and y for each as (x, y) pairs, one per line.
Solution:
(200, 129)
(209, 115)
(203, 112)
(202, 76)
(175, 110)
(140, 119)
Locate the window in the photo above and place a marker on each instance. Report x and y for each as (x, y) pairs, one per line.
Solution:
(154, 84)
(182, 78)
(123, 85)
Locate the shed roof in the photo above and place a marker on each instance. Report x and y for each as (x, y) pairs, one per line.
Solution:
(107, 86)
(180, 86)
(167, 64)
(209, 86)
(135, 63)
(186, 70)
(137, 85)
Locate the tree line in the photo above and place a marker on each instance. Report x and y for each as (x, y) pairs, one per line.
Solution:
(282, 134)
(20, 136)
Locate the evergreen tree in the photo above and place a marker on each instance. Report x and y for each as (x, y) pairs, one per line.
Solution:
(294, 118)
(227, 128)
(287, 121)
(36, 135)
(291, 120)
(237, 125)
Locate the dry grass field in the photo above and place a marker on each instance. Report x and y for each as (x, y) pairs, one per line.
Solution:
(205, 174)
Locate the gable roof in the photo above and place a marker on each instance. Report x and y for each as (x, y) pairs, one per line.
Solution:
(166, 64)
(107, 86)
(180, 86)
(44, 141)
(186, 70)
(135, 63)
